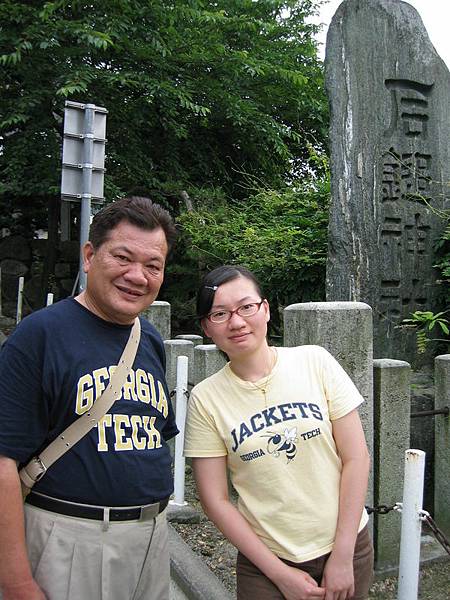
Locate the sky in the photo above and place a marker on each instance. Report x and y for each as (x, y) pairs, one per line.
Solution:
(435, 15)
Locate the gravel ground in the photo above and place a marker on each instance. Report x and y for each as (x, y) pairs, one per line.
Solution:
(220, 556)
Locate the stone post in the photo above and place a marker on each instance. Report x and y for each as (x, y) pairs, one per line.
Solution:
(390, 165)
(196, 340)
(158, 314)
(442, 444)
(192, 337)
(345, 330)
(391, 379)
(174, 349)
(208, 359)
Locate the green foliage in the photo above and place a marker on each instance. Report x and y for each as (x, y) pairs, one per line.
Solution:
(280, 235)
(198, 92)
(424, 322)
(443, 264)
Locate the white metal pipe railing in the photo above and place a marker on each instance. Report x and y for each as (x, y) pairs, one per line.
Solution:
(19, 300)
(181, 402)
(408, 577)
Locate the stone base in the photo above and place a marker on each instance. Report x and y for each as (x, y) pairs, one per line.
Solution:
(177, 513)
(430, 551)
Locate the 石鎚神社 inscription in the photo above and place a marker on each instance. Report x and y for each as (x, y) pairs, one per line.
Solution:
(390, 170)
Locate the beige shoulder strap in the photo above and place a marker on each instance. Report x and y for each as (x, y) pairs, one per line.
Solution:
(38, 465)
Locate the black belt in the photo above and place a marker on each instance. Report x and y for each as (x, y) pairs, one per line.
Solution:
(99, 513)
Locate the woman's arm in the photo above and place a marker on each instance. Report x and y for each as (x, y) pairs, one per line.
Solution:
(211, 479)
(351, 446)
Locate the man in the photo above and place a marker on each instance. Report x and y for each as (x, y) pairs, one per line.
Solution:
(52, 368)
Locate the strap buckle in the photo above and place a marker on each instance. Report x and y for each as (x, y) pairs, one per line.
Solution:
(32, 472)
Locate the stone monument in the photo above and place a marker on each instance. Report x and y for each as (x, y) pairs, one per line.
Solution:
(389, 96)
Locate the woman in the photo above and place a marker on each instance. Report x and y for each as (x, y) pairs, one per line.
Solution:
(284, 422)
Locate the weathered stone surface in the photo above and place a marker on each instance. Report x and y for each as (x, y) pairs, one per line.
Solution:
(67, 285)
(422, 430)
(62, 270)
(11, 271)
(390, 159)
(69, 251)
(183, 514)
(192, 337)
(345, 330)
(39, 247)
(208, 359)
(174, 349)
(16, 247)
(13, 268)
(391, 439)
(33, 292)
(442, 444)
(158, 314)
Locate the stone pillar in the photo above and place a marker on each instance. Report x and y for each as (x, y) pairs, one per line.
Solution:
(174, 349)
(391, 379)
(390, 165)
(208, 359)
(158, 314)
(192, 337)
(442, 444)
(196, 340)
(345, 330)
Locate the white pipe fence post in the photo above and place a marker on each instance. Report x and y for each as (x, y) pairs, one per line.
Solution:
(49, 299)
(408, 577)
(19, 300)
(181, 403)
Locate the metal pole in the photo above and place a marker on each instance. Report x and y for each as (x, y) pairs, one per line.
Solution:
(86, 196)
(408, 577)
(19, 300)
(181, 401)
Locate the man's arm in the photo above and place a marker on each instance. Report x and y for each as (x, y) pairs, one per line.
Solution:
(16, 580)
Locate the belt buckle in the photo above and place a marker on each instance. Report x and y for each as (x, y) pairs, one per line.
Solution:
(149, 512)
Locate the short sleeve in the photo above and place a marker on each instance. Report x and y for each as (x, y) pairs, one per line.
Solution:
(341, 393)
(202, 437)
(23, 415)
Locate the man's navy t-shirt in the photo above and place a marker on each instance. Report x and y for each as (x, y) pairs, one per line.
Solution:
(52, 368)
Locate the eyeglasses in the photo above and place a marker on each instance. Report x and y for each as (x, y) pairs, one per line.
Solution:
(246, 310)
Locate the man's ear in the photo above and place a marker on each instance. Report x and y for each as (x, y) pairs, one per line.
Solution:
(88, 253)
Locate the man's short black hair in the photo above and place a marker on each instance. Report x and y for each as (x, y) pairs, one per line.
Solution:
(137, 210)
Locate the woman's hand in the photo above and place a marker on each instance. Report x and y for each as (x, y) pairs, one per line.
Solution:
(295, 584)
(338, 579)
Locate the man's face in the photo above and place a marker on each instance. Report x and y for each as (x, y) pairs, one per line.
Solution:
(125, 273)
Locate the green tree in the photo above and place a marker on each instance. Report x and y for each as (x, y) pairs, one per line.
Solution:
(281, 235)
(197, 91)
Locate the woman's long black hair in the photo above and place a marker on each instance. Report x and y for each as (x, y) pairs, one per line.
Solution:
(212, 280)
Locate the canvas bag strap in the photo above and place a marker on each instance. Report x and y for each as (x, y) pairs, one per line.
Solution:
(36, 468)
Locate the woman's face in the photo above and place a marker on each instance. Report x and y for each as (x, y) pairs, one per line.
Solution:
(239, 336)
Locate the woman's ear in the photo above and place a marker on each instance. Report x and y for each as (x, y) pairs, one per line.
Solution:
(204, 325)
(267, 309)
